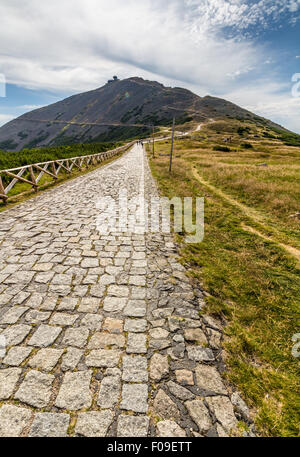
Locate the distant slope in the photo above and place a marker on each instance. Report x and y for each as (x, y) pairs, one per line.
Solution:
(130, 101)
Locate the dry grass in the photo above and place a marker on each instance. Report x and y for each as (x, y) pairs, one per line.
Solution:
(253, 281)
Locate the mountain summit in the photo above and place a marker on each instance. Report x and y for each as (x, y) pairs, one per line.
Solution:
(119, 110)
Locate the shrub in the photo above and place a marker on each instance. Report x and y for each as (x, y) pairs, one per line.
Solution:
(247, 145)
(221, 148)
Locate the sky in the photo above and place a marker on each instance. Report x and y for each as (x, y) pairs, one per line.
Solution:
(245, 51)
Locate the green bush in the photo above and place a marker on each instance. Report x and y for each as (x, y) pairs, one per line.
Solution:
(28, 156)
(247, 145)
(221, 148)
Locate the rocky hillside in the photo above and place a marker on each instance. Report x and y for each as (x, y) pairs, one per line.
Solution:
(126, 104)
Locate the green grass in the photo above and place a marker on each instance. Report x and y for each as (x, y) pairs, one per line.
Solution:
(253, 282)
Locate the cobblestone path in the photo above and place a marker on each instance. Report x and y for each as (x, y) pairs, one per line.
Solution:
(103, 332)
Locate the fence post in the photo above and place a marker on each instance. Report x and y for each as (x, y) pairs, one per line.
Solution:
(53, 169)
(2, 192)
(34, 184)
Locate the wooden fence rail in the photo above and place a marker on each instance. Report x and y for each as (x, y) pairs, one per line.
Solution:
(31, 174)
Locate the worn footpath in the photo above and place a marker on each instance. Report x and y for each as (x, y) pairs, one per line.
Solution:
(102, 334)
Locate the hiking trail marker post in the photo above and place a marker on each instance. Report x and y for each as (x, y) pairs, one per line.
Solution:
(153, 150)
(172, 145)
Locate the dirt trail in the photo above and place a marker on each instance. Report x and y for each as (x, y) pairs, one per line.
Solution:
(251, 214)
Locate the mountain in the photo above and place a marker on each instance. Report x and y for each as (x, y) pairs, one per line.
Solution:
(132, 101)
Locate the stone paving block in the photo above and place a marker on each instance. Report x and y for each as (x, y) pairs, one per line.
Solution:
(62, 279)
(74, 393)
(215, 338)
(102, 340)
(35, 390)
(90, 279)
(180, 392)
(113, 325)
(134, 398)
(223, 410)
(135, 325)
(44, 336)
(137, 343)
(240, 406)
(44, 278)
(110, 391)
(118, 291)
(133, 426)
(89, 305)
(63, 319)
(200, 414)
(89, 263)
(36, 317)
(208, 378)
(184, 377)
(50, 425)
(137, 280)
(169, 429)
(13, 315)
(49, 303)
(114, 304)
(94, 423)
(76, 337)
(158, 333)
(103, 358)
(106, 279)
(61, 290)
(43, 267)
(138, 293)
(4, 298)
(200, 354)
(164, 407)
(15, 334)
(159, 367)
(8, 380)
(71, 359)
(195, 334)
(67, 304)
(92, 321)
(135, 308)
(135, 369)
(16, 355)
(138, 256)
(13, 420)
(97, 291)
(46, 359)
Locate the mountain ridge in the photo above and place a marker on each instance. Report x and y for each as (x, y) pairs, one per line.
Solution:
(124, 103)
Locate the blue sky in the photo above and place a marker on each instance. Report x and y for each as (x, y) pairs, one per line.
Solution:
(246, 51)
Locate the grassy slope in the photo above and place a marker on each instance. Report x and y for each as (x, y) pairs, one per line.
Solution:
(252, 281)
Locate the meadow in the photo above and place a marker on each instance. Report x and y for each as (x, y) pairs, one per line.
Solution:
(249, 261)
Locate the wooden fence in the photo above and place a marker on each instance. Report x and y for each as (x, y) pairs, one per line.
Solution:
(32, 174)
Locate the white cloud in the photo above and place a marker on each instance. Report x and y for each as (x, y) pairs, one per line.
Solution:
(29, 107)
(4, 118)
(68, 47)
(271, 100)
(63, 46)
